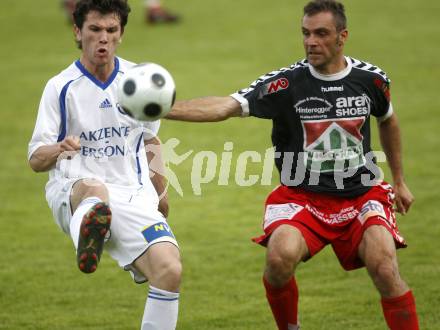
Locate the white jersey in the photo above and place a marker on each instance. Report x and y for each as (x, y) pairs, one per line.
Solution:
(112, 144)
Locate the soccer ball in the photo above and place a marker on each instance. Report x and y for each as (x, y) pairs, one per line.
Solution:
(146, 92)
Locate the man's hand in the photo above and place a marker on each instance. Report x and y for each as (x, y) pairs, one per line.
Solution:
(45, 157)
(403, 197)
(70, 143)
(69, 147)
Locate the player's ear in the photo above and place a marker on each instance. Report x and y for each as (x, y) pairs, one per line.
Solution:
(343, 36)
(77, 33)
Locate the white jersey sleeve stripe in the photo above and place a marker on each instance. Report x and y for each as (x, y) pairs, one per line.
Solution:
(63, 124)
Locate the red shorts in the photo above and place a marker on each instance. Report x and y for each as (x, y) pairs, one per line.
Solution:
(325, 219)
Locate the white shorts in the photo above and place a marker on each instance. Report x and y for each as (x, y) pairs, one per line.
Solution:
(136, 222)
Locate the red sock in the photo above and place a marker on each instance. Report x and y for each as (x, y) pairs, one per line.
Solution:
(400, 312)
(284, 303)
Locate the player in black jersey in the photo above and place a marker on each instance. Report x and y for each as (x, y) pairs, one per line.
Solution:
(330, 190)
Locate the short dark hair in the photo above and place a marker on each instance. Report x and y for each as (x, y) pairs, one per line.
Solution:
(83, 7)
(336, 8)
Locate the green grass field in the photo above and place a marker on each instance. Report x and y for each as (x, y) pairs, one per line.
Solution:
(219, 47)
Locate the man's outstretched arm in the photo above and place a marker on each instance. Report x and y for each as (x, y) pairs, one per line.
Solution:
(205, 109)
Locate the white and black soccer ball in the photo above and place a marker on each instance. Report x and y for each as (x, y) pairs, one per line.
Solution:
(146, 92)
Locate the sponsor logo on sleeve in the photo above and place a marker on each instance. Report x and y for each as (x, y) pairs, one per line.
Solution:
(274, 86)
(277, 212)
(384, 87)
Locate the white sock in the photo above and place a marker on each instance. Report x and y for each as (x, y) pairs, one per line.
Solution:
(81, 210)
(161, 310)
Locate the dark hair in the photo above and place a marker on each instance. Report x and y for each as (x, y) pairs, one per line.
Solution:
(336, 8)
(83, 7)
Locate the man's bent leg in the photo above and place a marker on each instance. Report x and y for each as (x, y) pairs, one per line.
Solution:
(161, 265)
(90, 221)
(285, 249)
(378, 252)
(87, 188)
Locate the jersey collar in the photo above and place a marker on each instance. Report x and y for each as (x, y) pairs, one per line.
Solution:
(335, 76)
(100, 84)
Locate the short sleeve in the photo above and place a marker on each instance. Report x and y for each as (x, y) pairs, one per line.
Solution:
(47, 126)
(150, 129)
(265, 97)
(383, 108)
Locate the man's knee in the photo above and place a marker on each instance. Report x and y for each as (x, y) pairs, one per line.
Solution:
(162, 266)
(90, 187)
(377, 246)
(386, 277)
(286, 248)
(385, 269)
(85, 188)
(170, 269)
(378, 251)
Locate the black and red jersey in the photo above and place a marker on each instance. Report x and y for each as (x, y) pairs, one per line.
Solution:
(321, 123)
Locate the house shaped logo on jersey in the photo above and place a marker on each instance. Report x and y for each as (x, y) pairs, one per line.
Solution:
(333, 144)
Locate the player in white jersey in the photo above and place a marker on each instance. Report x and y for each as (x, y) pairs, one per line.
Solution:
(99, 187)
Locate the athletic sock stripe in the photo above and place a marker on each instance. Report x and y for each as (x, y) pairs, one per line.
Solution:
(160, 298)
(160, 295)
(157, 293)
